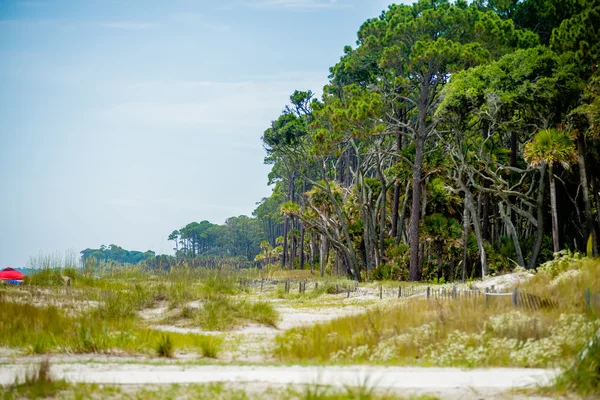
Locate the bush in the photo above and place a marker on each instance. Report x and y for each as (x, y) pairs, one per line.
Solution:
(387, 272)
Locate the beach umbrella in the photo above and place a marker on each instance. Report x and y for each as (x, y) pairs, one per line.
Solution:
(10, 274)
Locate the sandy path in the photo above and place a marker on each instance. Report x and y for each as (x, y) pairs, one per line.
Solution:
(380, 377)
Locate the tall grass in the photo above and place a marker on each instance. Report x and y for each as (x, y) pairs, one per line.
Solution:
(50, 329)
(222, 313)
(462, 332)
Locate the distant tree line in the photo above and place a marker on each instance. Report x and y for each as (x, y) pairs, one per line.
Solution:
(116, 254)
(238, 237)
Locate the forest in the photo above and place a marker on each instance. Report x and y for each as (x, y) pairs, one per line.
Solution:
(453, 141)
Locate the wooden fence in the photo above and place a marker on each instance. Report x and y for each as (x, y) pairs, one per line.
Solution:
(592, 300)
(518, 297)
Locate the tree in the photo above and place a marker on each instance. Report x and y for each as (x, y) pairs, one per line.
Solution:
(416, 49)
(551, 147)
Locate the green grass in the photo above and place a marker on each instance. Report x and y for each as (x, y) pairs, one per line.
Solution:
(165, 347)
(463, 332)
(49, 329)
(223, 313)
(37, 384)
(212, 391)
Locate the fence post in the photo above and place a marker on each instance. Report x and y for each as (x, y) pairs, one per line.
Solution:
(493, 289)
(348, 291)
(262, 281)
(399, 291)
(485, 296)
(514, 300)
(428, 292)
(588, 298)
(316, 285)
(380, 292)
(454, 292)
(337, 288)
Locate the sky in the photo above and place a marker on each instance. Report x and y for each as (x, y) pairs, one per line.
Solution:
(123, 120)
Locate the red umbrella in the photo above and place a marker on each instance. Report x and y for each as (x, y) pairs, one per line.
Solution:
(9, 274)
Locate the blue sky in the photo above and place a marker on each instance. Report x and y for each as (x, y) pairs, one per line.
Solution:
(123, 120)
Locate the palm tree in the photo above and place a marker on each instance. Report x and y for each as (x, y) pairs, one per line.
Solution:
(550, 147)
(442, 232)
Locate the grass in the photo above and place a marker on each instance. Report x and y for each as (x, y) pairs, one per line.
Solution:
(210, 346)
(582, 376)
(37, 384)
(48, 329)
(212, 391)
(165, 347)
(462, 332)
(222, 313)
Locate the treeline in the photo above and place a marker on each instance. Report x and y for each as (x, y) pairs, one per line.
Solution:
(107, 258)
(454, 140)
(238, 237)
(116, 254)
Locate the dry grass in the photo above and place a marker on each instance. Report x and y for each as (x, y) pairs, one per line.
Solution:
(462, 332)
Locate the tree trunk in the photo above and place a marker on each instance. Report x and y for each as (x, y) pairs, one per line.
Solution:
(555, 241)
(396, 200)
(403, 214)
(586, 194)
(285, 242)
(395, 209)
(486, 216)
(301, 245)
(465, 257)
(438, 249)
(382, 221)
(312, 252)
(470, 204)
(322, 246)
(539, 236)
(415, 212)
(596, 189)
(294, 245)
(513, 234)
